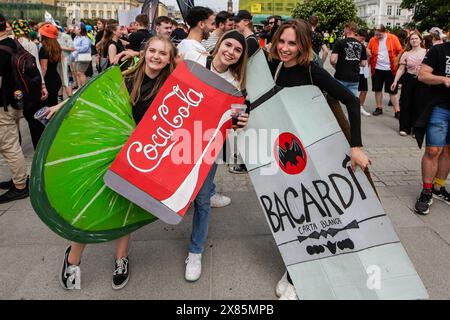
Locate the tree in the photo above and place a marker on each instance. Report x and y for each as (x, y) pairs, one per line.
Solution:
(332, 14)
(429, 13)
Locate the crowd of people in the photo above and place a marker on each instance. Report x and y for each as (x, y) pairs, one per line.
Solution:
(61, 60)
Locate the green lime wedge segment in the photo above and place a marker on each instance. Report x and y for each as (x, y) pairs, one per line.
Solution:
(74, 153)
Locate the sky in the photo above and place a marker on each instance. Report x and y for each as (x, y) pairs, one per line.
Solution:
(216, 5)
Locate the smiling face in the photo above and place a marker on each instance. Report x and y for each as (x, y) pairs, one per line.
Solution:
(207, 26)
(164, 29)
(288, 48)
(229, 52)
(415, 41)
(157, 56)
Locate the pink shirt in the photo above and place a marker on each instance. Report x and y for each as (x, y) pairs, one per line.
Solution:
(413, 60)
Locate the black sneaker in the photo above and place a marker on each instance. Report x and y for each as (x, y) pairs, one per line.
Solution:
(424, 202)
(237, 168)
(121, 273)
(14, 194)
(5, 185)
(377, 112)
(70, 273)
(397, 115)
(442, 195)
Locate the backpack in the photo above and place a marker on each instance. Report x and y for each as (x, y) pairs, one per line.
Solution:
(25, 75)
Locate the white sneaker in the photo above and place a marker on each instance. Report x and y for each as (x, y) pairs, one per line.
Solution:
(219, 200)
(403, 133)
(364, 112)
(193, 266)
(281, 285)
(289, 293)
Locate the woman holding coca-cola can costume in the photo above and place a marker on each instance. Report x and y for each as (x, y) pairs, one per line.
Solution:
(228, 60)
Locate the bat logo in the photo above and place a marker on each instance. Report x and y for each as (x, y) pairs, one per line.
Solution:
(290, 154)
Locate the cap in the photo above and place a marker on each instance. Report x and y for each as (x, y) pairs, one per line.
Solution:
(88, 28)
(21, 28)
(48, 30)
(437, 31)
(242, 14)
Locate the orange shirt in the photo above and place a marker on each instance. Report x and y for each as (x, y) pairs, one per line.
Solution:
(394, 49)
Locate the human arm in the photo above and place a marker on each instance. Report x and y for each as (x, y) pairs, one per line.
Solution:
(54, 109)
(324, 52)
(400, 71)
(112, 52)
(334, 88)
(125, 55)
(426, 76)
(333, 59)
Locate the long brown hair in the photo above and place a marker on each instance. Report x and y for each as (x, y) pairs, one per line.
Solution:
(52, 47)
(136, 75)
(239, 68)
(302, 31)
(108, 33)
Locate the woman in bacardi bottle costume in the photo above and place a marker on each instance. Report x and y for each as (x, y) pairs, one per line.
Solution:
(291, 65)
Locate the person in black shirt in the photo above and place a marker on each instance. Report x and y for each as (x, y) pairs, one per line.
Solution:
(292, 66)
(17, 187)
(347, 57)
(138, 39)
(143, 83)
(243, 23)
(110, 45)
(435, 71)
(317, 39)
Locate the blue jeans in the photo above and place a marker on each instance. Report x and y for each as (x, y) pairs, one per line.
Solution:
(352, 86)
(213, 189)
(438, 133)
(202, 211)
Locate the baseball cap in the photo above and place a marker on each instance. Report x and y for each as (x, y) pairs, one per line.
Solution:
(48, 30)
(437, 31)
(242, 14)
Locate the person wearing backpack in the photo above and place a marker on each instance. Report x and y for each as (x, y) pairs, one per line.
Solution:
(10, 113)
(21, 30)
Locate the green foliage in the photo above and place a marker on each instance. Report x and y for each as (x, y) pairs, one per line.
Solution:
(429, 13)
(332, 14)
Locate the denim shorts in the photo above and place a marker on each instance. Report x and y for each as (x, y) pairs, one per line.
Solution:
(438, 133)
(351, 86)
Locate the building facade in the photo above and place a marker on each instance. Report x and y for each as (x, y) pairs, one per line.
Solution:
(30, 9)
(261, 9)
(386, 12)
(88, 9)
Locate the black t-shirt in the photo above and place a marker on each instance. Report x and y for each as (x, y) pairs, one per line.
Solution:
(317, 41)
(7, 82)
(99, 36)
(119, 48)
(438, 58)
(252, 45)
(138, 39)
(52, 78)
(350, 53)
(299, 75)
(141, 107)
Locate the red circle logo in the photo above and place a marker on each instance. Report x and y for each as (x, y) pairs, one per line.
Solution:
(290, 153)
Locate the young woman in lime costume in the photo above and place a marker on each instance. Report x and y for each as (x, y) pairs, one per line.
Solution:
(143, 82)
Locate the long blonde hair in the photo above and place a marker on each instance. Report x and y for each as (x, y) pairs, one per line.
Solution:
(136, 75)
(238, 69)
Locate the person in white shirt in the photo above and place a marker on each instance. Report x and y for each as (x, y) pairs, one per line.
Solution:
(201, 21)
(224, 22)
